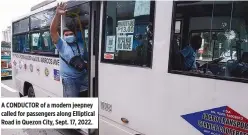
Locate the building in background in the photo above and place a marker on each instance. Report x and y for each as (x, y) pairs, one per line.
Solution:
(6, 71)
(6, 34)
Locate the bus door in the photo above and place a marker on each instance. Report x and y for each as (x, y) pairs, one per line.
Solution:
(94, 53)
(94, 48)
(81, 17)
(125, 67)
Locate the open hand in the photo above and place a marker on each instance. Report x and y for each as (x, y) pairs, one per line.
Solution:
(61, 8)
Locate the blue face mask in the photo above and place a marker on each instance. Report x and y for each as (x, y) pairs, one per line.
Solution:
(69, 39)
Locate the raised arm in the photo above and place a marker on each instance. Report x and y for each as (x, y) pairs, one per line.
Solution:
(61, 10)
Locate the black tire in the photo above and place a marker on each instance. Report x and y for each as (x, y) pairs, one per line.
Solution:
(31, 92)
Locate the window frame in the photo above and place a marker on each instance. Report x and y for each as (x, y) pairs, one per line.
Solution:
(28, 17)
(20, 34)
(103, 38)
(45, 28)
(178, 72)
(42, 53)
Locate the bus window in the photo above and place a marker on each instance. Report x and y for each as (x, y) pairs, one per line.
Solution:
(42, 19)
(21, 26)
(41, 43)
(21, 43)
(47, 42)
(128, 33)
(221, 28)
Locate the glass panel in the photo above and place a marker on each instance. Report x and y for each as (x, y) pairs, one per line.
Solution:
(128, 33)
(35, 41)
(237, 64)
(47, 41)
(217, 42)
(21, 26)
(192, 43)
(42, 19)
(21, 43)
(41, 43)
(205, 51)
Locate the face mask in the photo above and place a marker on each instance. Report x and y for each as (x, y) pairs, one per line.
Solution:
(69, 39)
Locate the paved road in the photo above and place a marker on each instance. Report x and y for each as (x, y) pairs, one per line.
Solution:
(14, 93)
(7, 93)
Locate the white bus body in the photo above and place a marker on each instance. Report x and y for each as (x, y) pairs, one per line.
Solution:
(153, 100)
(39, 72)
(44, 86)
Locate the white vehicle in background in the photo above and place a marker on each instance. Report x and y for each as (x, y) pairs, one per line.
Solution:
(133, 67)
(35, 58)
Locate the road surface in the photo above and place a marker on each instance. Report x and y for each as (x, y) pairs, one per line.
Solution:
(13, 93)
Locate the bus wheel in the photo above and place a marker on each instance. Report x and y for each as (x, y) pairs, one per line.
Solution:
(31, 91)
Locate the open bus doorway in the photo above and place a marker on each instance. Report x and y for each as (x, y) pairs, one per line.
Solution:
(82, 18)
(78, 19)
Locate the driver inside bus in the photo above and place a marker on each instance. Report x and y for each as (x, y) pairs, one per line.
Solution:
(73, 66)
(189, 53)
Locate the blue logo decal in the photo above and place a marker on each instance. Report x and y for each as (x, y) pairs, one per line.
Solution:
(218, 121)
(56, 75)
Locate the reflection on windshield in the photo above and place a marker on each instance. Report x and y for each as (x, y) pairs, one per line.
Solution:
(227, 56)
(223, 36)
(41, 43)
(42, 19)
(21, 26)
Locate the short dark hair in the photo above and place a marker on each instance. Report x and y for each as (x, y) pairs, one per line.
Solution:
(68, 30)
(194, 41)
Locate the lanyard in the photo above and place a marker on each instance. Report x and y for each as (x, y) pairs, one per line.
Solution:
(72, 48)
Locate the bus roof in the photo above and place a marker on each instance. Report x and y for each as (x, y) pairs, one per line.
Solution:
(44, 3)
(41, 8)
(47, 4)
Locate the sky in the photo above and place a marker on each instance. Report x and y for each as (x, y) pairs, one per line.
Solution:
(11, 9)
